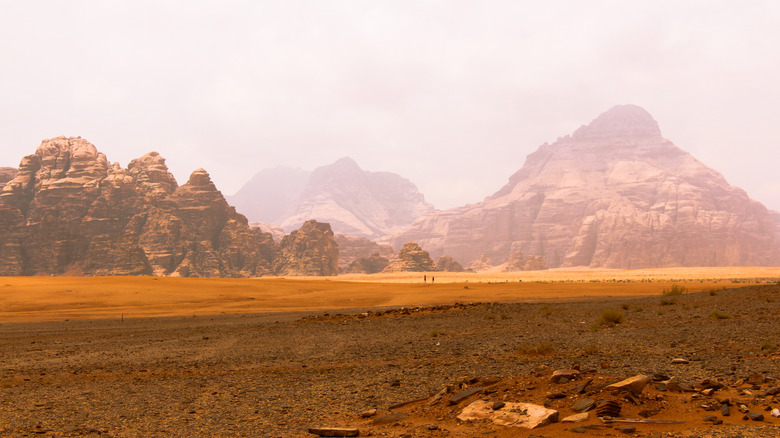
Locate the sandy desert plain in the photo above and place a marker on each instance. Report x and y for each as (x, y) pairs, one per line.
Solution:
(159, 356)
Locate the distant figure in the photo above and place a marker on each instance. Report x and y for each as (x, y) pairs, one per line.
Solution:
(425, 278)
(433, 278)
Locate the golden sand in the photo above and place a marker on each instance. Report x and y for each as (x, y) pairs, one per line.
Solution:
(58, 298)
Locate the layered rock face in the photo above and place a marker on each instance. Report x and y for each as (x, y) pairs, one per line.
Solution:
(353, 201)
(481, 263)
(311, 250)
(68, 211)
(615, 194)
(411, 258)
(367, 265)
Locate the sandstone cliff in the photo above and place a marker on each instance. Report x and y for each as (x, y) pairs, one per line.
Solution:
(353, 201)
(614, 194)
(448, 264)
(68, 211)
(310, 250)
(411, 258)
(520, 262)
(367, 265)
(7, 174)
(353, 248)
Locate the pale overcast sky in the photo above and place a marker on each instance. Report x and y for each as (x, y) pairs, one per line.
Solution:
(450, 94)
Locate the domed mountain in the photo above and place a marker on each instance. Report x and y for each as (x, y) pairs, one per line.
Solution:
(355, 202)
(614, 194)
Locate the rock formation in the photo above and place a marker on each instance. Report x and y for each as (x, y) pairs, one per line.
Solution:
(353, 201)
(411, 258)
(311, 250)
(519, 262)
(275, 231)
(448, 264)
(367, 265)
(353, 248)
(481, 263)
(7, 174)
(615, 194)
(68, 211)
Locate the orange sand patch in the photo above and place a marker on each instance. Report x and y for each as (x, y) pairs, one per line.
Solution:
(57, 298)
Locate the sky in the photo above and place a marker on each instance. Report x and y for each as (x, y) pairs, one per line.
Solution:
(449, 94)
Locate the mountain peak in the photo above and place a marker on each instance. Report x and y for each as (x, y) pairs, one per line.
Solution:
(630, 121)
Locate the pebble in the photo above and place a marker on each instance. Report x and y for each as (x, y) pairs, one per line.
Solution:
(498, 405)
(679, 361)
(724, 410)
(578, 429)
(776, 412)
(368, 413)
(433, 427)
(756, 417)
(626, 429)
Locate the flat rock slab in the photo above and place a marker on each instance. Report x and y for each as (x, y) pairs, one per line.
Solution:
(334, 431)
(463, 395)
(525, 415)
(388, 418)
(634, 384)
(559, 375)
(584, 405)
(576, 418)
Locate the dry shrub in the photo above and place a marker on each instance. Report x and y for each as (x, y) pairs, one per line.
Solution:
(610, 317)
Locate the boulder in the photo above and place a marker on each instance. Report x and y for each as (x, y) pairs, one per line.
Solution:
(310, 250)
(525, 415)
(634, 384)
(411, 258)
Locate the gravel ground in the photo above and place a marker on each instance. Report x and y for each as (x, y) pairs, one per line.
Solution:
(279, 374)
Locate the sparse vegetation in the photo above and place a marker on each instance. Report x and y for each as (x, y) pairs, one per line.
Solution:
(624, 306)
(674, 291)
(610, 317)
(490, 315)
(535, 349)
(717, 314)
(768, 347)
(668, 301)
(505, 316)
(436, 333)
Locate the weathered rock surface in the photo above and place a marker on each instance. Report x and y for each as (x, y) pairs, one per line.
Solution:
(7, 174)
(310, 250)
(448, 264)
(355, 202)
(276, 232)
(412, 258)
(519, 262)
(352, 248)
(68, 211)
(525, 415)
(367, 265)
(615, 194)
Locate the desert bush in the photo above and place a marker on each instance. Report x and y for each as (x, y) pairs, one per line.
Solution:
(490, 315)
(717, 314)
(610, 317)
(668, 301)
(674, 291)
(624, 306)
(535, 349)
(505, 316)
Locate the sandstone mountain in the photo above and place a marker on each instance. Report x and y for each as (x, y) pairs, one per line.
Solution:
(68, 211)
(352, 249)
(353, 201)
(310, 250)
(614, 194)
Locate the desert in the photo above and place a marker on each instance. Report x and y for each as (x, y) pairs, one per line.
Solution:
(160, 356)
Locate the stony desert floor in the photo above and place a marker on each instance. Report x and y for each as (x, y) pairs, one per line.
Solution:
(236, 359)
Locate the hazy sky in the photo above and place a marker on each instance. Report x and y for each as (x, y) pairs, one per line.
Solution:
(450, 94)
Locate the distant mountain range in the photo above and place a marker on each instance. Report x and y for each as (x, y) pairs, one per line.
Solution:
(354, 201)
(614, 194)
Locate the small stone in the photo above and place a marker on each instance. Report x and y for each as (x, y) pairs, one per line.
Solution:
(756, 379)
(724, 410)
(660, 387)
(776, 413)
(563, 374)
(556, 395)
(498, 405)
(626, 429)
(579, 389)
(744, 409)
(756, 416)
(679, 361)
(583, 405)
(369, 413)
(578, 429)
(576, 418)
(710, 418)
(634, 384)
(395, 382)
(718, 421)
(605, 365)
(433, 427)
(646, 413)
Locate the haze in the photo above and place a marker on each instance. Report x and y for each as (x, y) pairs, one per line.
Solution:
(450, 94)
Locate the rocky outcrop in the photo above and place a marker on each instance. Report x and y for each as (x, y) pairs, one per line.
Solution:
(519, 262)
(7, 174)
(68, 211)
(310, 250)
(353, 248)
(367, 265)
(448, 264)
(615, 194)
(355, 202)
(411, 258)
(480, 263)
(275, 231)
